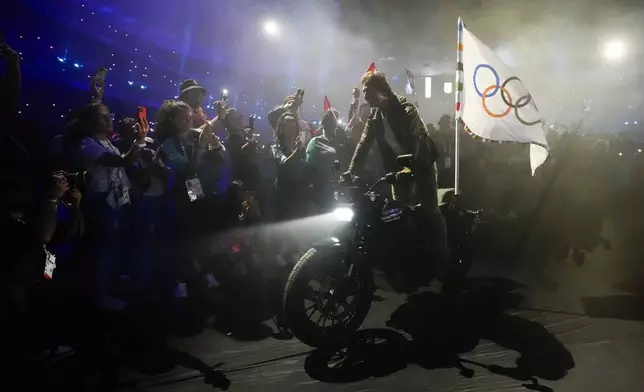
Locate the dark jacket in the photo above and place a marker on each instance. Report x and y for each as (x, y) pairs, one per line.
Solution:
(275, 114)
(409, 130)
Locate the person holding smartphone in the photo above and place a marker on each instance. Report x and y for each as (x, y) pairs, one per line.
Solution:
(292, 104)
(289, 151)
(182, 150)
(192, 93)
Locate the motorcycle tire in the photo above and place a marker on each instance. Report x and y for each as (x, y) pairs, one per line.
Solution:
(299, 323)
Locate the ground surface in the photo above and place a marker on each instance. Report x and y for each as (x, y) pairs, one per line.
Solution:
(562, 327)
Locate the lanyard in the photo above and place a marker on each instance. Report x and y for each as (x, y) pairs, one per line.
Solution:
(183, 149)
(114, 175)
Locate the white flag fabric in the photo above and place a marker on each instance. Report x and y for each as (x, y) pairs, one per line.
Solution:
(496, 106)
(408, 89)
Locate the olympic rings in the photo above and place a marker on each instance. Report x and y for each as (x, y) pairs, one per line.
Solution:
(522, 102)
(489, 113)
(517, 106)
(527, 99)
(496, 76)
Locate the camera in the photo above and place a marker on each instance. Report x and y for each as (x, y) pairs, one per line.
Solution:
(78, 180)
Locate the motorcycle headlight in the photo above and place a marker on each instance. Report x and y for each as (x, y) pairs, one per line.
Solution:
(343, 214)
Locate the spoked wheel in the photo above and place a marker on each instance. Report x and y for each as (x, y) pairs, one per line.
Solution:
(321, 305)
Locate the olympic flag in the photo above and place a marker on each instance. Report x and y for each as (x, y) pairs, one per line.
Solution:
(492, 101)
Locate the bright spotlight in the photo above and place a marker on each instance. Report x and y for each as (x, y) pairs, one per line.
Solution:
(614, 50)
(343, 214)
(271, 28)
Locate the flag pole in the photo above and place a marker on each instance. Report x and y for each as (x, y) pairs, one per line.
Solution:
(458, 108)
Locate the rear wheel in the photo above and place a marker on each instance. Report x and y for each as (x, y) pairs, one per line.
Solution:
(323, 307)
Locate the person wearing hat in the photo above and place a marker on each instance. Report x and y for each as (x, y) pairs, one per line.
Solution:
(194, 94)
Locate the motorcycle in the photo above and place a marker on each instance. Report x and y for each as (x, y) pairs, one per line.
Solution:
(382, 246)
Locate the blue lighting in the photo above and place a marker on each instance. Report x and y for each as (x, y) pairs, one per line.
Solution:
(77, 65)
(143, 87)
(62, 60)
(130, 83)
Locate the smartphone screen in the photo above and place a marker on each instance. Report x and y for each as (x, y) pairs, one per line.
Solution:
(303, 138)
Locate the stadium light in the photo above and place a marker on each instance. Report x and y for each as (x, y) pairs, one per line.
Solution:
(614, 50)
(272, 28)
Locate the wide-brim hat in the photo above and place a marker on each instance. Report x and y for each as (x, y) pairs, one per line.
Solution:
(188, 85)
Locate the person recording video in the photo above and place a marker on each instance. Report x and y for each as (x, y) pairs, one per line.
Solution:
(30, 281)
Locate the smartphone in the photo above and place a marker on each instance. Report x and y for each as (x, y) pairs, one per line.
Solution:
(251, 121)
(143, 115)
(300, 95)
(224, 95)
(100, 75)
(303, 138)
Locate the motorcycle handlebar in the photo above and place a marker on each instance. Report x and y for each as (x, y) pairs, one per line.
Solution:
(348, 179)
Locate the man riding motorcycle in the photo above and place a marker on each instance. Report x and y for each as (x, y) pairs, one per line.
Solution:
(395, 124)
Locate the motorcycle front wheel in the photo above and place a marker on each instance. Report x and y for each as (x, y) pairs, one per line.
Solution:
(323, 307)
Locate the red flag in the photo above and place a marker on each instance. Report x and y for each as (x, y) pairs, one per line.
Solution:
(327, 103)
(372, 67)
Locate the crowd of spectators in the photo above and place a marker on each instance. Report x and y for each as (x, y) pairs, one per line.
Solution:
(117, 209)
